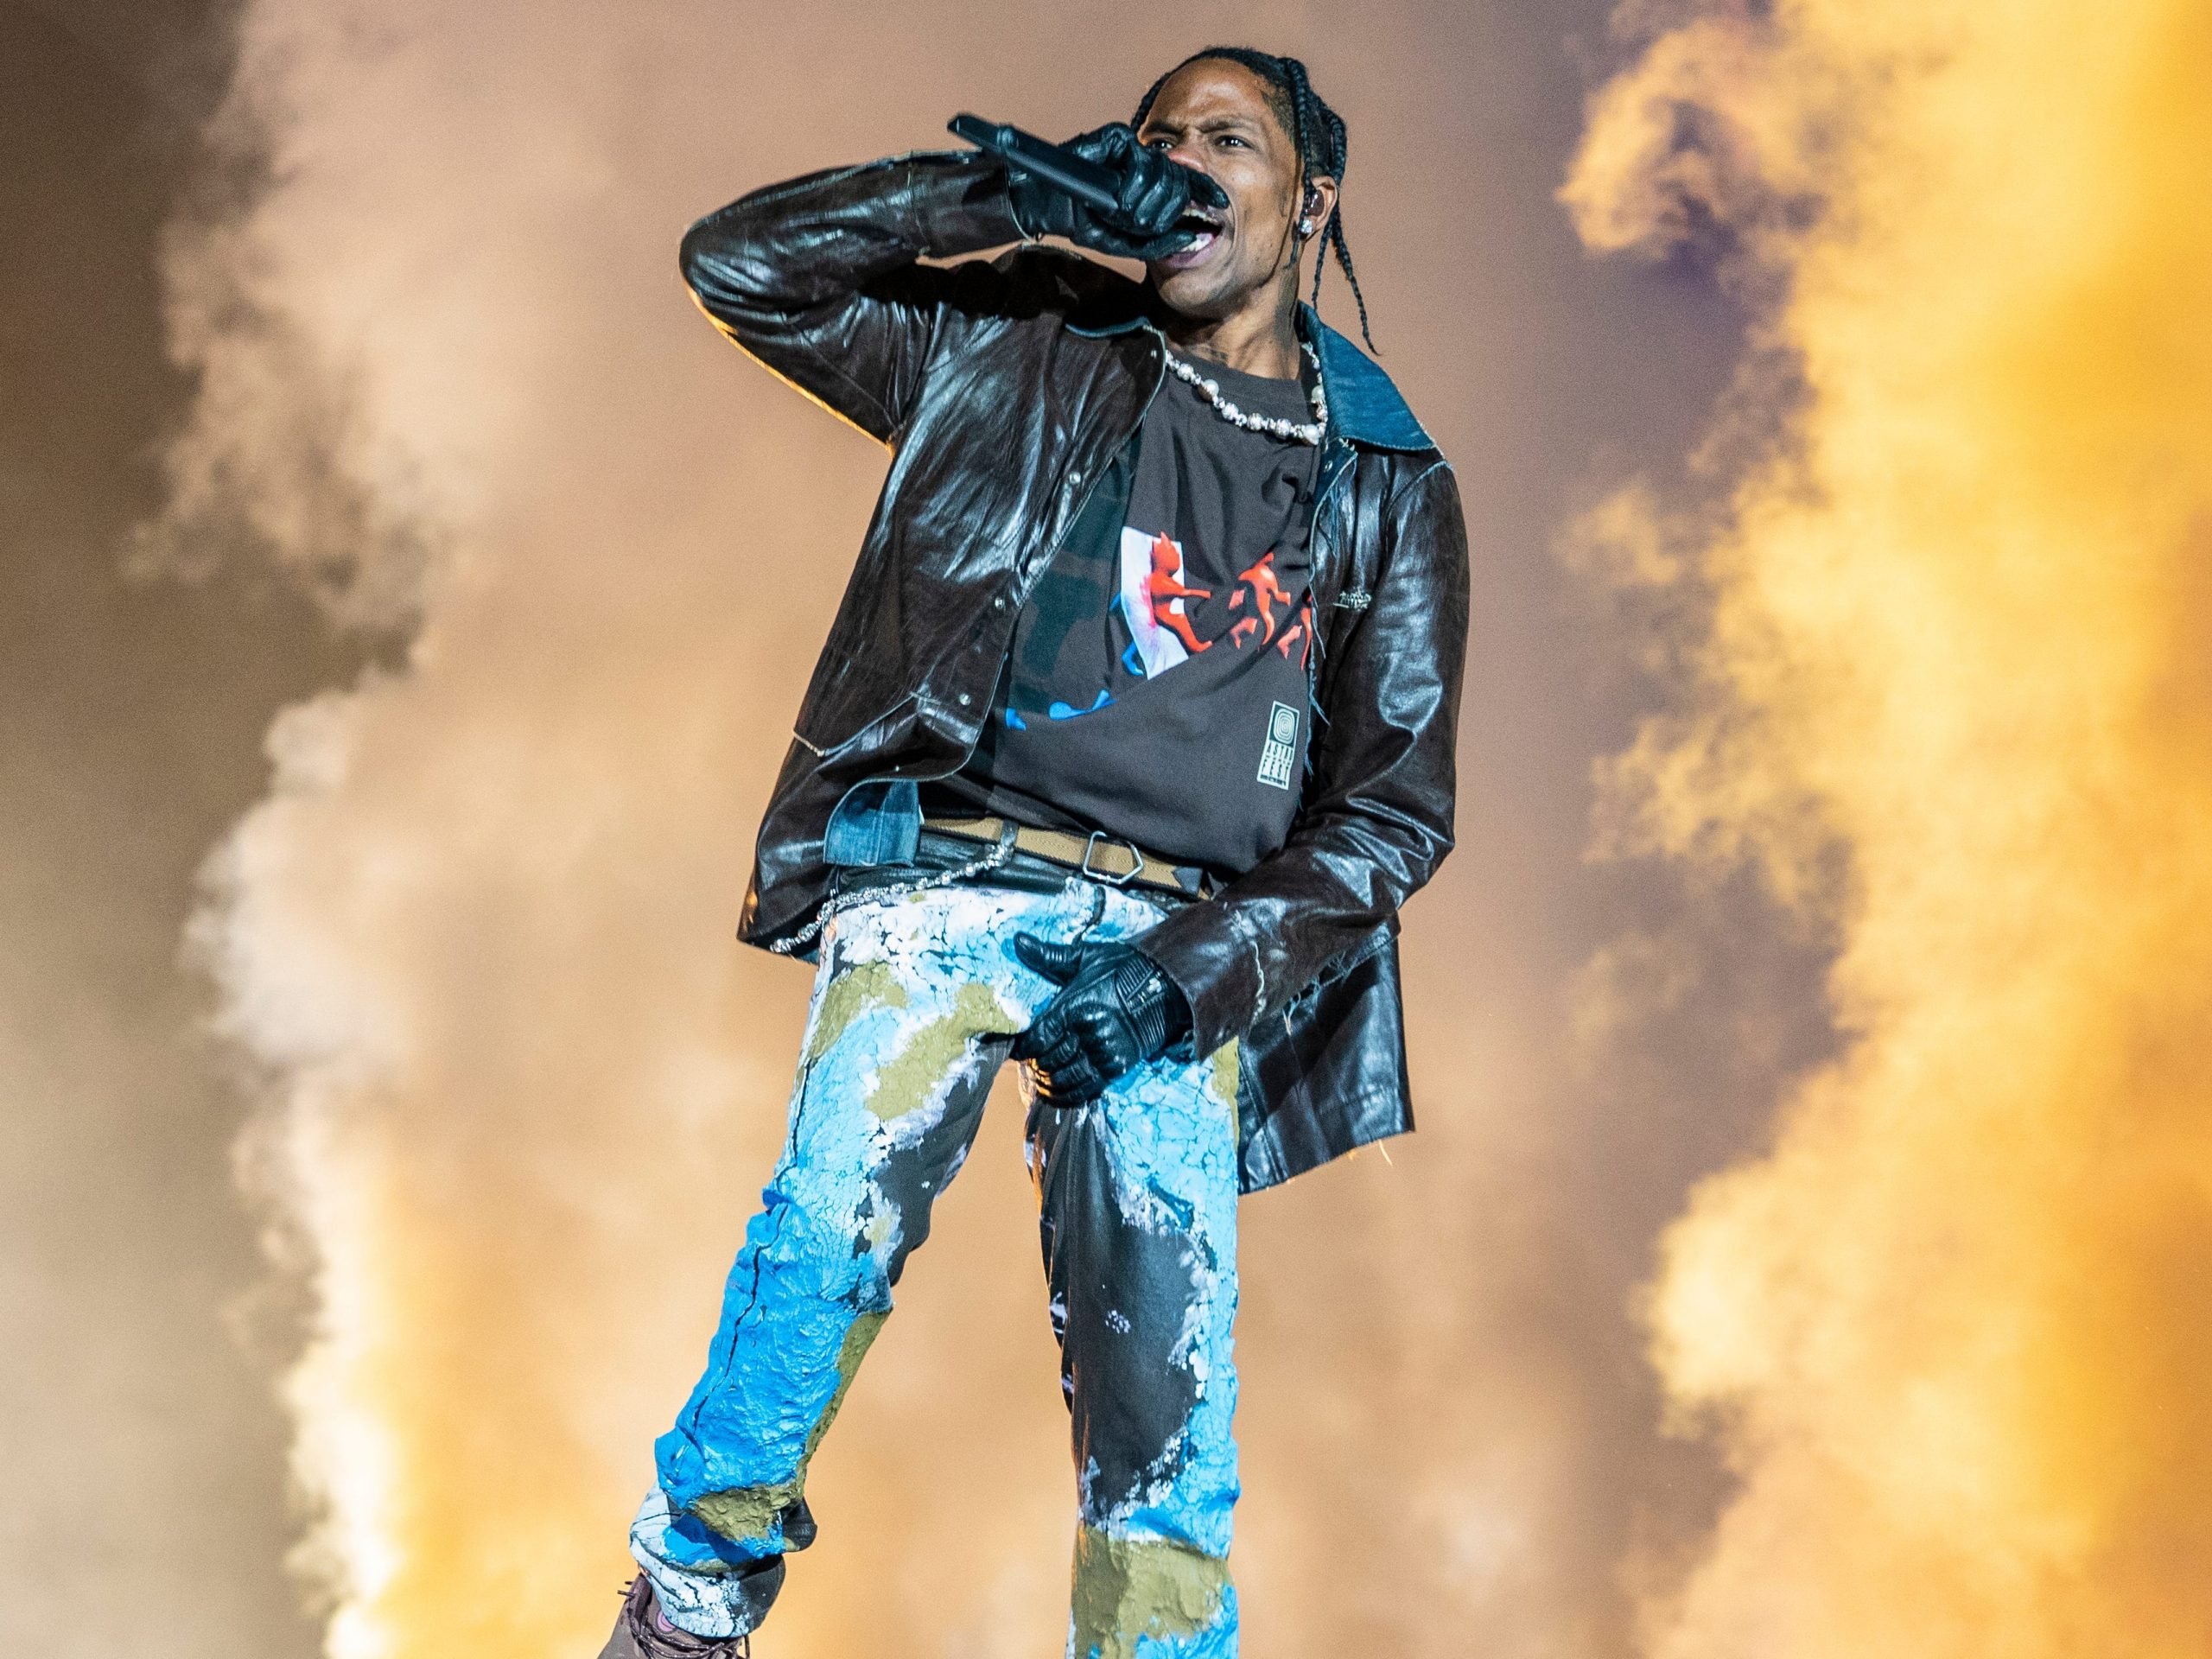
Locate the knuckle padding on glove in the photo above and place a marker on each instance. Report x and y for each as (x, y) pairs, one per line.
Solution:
(1061, 1055)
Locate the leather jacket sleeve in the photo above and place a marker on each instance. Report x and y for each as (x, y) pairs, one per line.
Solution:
(817, 278)
(1377, 817)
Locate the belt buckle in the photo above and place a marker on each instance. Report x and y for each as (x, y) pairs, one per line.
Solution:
(1083, 868)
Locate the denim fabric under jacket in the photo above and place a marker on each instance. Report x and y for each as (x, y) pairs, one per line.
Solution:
(1002, 388)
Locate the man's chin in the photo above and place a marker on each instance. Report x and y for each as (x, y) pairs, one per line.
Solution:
(1192, 293)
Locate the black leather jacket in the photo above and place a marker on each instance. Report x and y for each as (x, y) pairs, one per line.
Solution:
(1002, 389)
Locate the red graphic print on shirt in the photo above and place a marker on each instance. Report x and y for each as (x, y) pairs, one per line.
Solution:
(1165, 590)
(1298, 633)
(1154, 591)
(1259, 582)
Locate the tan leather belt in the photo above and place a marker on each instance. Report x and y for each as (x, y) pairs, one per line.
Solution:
(1098, 855)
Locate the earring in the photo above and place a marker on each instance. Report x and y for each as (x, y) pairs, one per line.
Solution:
(1306, 227)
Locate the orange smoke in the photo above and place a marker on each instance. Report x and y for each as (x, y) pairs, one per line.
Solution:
(1955, 700)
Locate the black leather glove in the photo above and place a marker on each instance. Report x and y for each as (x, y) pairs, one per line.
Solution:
(1116, 1011)
(1154, 192)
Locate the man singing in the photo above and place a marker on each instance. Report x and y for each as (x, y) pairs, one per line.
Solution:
(1132, 734)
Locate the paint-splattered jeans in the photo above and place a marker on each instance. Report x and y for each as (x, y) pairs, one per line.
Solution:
(914, 1006)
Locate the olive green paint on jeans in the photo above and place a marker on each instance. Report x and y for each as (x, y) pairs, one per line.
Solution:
(744, 1513)
(1128, 1588)
(1223, 1081)
(855, 1348)
(933, 1050)
(853, 993)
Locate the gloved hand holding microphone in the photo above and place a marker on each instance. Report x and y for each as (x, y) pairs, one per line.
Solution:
(1101, 190)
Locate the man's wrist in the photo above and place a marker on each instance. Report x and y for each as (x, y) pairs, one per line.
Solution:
(1155, 1001)
(1035, 209)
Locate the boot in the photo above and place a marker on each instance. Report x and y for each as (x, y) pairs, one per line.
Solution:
(642, 1632)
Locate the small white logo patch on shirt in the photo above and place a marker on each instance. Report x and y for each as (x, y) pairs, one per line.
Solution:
(1282, 736)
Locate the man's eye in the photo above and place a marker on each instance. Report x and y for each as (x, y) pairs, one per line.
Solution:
(1231, 138)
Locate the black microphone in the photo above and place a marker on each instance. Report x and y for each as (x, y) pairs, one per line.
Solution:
(1086, 181)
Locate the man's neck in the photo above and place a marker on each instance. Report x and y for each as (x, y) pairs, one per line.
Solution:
(1260, 339)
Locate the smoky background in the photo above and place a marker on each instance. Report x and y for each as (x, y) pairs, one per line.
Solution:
(406, 597)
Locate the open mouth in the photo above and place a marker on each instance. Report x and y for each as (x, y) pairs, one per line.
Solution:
(1204, 226)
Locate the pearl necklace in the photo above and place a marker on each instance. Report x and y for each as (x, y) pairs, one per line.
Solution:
(1210, 390)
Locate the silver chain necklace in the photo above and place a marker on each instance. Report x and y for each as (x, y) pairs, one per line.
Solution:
(1209, 389)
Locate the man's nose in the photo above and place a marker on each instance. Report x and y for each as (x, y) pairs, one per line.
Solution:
(1190, 154)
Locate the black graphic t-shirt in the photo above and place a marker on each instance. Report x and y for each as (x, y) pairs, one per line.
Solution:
(1156, 689)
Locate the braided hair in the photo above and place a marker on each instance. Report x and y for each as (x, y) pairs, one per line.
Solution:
(1316, 130)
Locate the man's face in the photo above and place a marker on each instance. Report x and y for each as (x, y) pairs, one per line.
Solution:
(1212, 116)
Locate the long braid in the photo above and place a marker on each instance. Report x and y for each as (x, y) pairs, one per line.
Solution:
(1333, 150)
(1318, 134)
